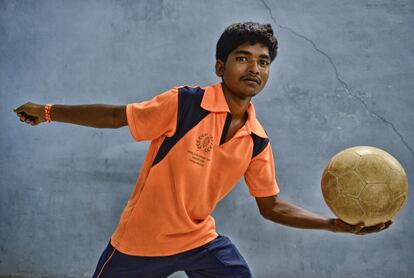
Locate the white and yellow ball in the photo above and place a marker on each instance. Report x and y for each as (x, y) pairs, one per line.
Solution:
(366, 184)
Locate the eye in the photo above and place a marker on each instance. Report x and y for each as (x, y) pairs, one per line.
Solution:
(241, 59)
(264, 62)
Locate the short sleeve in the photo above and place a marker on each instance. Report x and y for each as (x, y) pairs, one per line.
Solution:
(260, 176)
(153, 118)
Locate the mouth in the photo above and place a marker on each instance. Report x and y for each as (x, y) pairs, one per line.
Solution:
(251, 80)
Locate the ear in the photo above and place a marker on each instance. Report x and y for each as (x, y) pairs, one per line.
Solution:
(219, 68)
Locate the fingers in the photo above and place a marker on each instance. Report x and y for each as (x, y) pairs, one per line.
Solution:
(29, 108)
(375, 229)
(24, 116)
(30, 113)
(359, 228)
(18, 109)
(28, 119)
(355, 229)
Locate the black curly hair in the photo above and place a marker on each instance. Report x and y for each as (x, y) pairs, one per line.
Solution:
(242, 32)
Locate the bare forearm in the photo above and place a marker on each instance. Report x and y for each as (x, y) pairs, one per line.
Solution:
(92, 115)
(291, 215)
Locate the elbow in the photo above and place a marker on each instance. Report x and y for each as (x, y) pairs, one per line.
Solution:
(267, 214)
(275, 213)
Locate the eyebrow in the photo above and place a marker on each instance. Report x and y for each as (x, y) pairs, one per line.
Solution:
(249, 53)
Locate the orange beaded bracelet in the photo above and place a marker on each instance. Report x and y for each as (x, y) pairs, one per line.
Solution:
(48, 107)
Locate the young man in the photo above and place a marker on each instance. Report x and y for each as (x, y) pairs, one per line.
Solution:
(203, 140)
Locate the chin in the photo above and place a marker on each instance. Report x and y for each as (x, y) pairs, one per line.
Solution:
(249, 92)
(252, 94)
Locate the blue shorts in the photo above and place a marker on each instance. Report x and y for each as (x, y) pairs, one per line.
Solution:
(218, 258)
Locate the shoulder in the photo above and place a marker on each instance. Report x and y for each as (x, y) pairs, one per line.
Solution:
(260, 129)
(182, 94)
(259, 144)
(192, 90)
(259, 137)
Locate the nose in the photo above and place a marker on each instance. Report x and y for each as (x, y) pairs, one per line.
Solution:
(254, 67)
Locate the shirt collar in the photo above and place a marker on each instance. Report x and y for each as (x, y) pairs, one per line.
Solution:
(214, 101)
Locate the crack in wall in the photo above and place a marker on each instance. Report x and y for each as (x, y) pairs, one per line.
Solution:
(344, 84)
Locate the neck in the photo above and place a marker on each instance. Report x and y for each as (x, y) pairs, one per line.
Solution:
(237, 104)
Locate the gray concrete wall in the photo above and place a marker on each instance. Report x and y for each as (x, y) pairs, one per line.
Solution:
(343, 77)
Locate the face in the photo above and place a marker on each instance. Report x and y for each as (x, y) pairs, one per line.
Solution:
(246, 70)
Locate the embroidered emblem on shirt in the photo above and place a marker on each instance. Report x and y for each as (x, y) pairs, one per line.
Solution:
(205, 142)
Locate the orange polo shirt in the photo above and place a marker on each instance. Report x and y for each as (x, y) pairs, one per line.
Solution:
(188, 169)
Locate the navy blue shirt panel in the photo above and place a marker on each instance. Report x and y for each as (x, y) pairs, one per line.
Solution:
(259, 144)
(190, 113)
